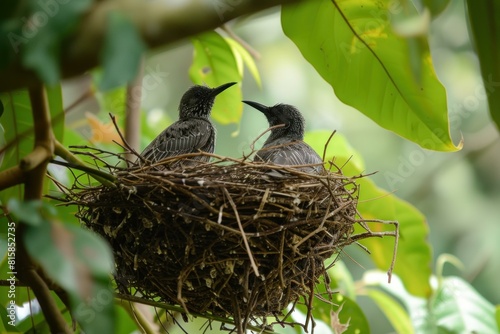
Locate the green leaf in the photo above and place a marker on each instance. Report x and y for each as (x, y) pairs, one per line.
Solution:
(81, 263)
(6, 325)
(6, 255)
(485, 25)
(34, 213)
(458, 308)
(43, 35)
(17, 122)
(393, 311)
(3, 143)
(244, 58)
(72, 256)
(417, 307)
(350, 313)
(340, 311)
(54, 97)
(41, 54)
(1, 110)
(497, 317)
(122, 52)
(18, 125)
(352, 46)
(124, 323)
(344, 310)
(213, 65)
(413, 263)
(342, 280)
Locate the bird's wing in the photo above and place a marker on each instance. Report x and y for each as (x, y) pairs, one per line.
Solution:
(184, 136)
(291, 153)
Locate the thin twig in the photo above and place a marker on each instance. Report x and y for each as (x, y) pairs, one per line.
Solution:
(252, 145)
(327, 144)
(243, 234)
(61, 151)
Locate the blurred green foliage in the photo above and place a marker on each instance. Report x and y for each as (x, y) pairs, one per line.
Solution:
(357, 49)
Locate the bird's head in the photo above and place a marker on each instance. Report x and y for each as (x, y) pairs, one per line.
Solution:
(286, 114)
(198, 100)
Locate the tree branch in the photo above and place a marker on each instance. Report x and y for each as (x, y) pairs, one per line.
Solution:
(159, 22)
(11, 177)
(35, 166)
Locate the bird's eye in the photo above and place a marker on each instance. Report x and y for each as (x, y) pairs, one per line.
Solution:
(192, 101)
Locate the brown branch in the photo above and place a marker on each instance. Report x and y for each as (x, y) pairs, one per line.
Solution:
(11, 177)
(35, 163)
(35, 168)
(243, 234)
(159, 22)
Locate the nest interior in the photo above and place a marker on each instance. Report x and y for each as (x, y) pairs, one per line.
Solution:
(233, 238)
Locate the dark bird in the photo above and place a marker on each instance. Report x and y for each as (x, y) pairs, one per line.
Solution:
(285, 145)
(193, 132)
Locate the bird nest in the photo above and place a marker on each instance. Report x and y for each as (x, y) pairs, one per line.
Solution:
(231, 238)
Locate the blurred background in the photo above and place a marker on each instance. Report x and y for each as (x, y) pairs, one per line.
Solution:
(459, 193)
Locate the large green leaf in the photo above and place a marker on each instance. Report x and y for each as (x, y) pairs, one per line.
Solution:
(352, 46)
(122, 52)
(413, 262)
(214, 64)
(484, 17)
(458, 308)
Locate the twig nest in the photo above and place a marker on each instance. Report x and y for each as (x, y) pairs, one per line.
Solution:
(233, 238)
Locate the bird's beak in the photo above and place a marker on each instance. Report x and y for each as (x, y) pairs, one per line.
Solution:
(217, 90)
(258, 106)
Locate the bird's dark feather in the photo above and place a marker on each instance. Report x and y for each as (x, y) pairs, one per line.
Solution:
(184, 136)
(290, 153)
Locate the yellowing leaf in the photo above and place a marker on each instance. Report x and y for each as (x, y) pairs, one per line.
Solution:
(243, 57)
(102, 132)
